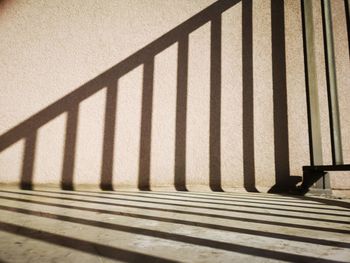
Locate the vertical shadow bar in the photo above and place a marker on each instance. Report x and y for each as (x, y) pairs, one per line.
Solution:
(146, 126)
(109, 138)
(70, 148)
(28, 162)
(280, 110)
(247, 96)
(181, 115)
(215, 106)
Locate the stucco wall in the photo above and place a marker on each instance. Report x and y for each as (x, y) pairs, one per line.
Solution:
(155, 116)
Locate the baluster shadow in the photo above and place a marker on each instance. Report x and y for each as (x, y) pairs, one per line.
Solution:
(248, 97)
(70, 104)
(181, 115)
(146, 125)
(26, 181)
(70, 148)
(215, 105)
(284, 181)
(109, 138)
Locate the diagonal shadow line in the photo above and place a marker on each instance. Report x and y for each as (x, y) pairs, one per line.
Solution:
(185, 205)
(209, 197)
(326, 201)
(72, 100)
(194, 197)
(169, 204)
(82, 245)
(224, 196)
(153, 195)
(200, 207)
(111, 75)
(242, 249)
(213, 203)
(250, 212)
(234, 193)
(250, 220)
(189, 223)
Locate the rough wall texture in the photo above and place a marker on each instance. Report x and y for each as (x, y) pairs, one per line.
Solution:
(214, 102)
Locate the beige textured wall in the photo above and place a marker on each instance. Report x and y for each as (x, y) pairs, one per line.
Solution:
(51, 48)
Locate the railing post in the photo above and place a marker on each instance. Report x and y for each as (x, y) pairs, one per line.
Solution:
(315, 139)
(334, 122)
(311, 85)
(347, 17)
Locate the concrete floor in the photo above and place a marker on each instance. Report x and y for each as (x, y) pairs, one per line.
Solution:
(164, 226)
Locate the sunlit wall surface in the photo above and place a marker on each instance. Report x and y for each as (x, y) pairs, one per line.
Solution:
(162, 93)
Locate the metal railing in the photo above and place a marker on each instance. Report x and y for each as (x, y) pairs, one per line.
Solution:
(315, 172)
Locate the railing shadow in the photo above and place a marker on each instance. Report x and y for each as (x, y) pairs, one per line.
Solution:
(28, 129)
(248, 97)
(81, 209)
(284, 181)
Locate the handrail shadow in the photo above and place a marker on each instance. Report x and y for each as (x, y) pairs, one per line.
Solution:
(69, 104)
